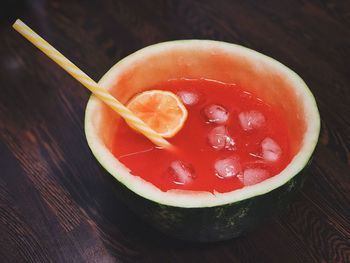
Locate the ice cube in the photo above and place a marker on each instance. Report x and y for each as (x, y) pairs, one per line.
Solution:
(271, 151)
(228, 167)
(216, 114)
(219, 138)
(253, 176)
(188, 98)
(250, 120)
(181, 172)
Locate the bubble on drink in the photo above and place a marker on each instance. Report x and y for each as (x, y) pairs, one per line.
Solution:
(250, 120)
(253, 176)
(229, 167)
(181, 172)
(188, 97)
(219, 139)
(271, 151)
(216, 114)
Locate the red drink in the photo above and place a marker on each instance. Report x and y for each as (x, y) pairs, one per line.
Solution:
(230, 139)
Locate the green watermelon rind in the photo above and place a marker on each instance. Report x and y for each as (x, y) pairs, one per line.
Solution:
(210, 224)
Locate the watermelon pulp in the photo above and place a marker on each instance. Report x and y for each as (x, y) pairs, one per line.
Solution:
(208, 162)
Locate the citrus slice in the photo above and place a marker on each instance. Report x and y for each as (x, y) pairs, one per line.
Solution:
(161, 110)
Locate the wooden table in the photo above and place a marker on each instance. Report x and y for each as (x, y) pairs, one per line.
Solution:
(57, 206)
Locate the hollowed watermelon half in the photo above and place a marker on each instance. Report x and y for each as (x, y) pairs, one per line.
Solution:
(204, 216)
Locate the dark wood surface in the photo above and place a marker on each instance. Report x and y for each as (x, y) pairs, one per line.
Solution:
(57, 206)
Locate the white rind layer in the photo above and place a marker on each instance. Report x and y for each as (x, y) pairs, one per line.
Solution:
(190, 199)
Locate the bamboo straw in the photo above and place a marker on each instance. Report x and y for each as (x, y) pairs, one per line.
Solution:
(84, 79)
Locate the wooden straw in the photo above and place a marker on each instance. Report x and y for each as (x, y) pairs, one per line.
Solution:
(84, 79)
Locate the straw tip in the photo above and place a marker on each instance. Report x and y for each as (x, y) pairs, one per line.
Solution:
(17, 22)
(170, 147)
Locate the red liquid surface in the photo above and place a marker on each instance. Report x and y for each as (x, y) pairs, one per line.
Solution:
(193, 148)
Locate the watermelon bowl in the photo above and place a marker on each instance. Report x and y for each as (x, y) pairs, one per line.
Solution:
(196, 215)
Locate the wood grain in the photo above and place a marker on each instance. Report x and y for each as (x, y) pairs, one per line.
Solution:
(55, 203)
